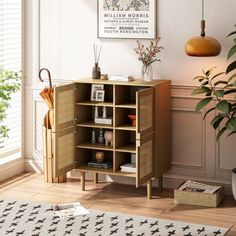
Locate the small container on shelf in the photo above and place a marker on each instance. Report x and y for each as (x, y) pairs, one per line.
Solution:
(108, 138)
(133, 119)
(99, 156)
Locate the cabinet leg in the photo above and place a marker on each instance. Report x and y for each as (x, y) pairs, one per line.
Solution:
(149, 189)
(160, 183)
(95, 178)
(82, 180)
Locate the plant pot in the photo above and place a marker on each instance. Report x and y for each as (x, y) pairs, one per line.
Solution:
(234, 182)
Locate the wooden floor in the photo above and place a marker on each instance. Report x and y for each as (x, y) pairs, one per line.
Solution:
(118, 198)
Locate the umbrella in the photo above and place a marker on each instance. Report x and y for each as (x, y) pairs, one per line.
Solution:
(47, 95)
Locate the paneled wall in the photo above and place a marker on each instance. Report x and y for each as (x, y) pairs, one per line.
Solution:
(60, 35)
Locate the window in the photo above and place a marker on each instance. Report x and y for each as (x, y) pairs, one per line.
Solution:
(10, 58)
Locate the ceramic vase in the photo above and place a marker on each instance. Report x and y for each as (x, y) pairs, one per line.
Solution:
(99, 156)
(108, 138)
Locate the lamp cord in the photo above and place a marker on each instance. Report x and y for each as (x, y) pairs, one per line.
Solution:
(202, 9)
(203, 21)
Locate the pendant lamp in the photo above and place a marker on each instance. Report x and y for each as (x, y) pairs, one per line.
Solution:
(202, 46)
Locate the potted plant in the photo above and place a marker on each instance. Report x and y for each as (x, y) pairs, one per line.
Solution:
(9, 84)
(216, 87)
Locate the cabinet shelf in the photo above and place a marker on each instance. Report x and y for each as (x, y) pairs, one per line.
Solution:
(126, 127)
(91, 124)
(85, 168)
(126, 174)
(94, 103)
(95, 146)
(127, 105)
(131, 148)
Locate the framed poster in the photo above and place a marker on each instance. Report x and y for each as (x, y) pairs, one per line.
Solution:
(127, 19)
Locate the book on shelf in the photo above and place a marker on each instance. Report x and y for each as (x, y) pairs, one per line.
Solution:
(125, 78)
(104, 164)
(131, 170)
(128, 167)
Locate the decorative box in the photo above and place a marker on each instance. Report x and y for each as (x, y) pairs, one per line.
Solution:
(199, 199)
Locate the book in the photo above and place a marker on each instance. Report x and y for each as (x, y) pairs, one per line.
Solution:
(128, 167)
(192, 186)
(69, 210)
(95, 164)
(131, 170)
(125, 78)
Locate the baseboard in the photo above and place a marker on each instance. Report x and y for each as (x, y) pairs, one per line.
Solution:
(11, 168)
(34, 166)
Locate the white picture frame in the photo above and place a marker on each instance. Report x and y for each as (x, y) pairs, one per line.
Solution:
(94, 88)
(100, 95)
(126, 19)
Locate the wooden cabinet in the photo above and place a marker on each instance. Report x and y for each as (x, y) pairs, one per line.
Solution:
(149, 139)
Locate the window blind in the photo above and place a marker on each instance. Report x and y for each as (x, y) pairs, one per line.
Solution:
(10, 58)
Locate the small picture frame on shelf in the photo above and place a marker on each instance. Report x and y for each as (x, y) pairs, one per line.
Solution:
(100, 95)
(94, 88)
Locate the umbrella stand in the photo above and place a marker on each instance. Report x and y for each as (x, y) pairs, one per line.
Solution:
(48, 138)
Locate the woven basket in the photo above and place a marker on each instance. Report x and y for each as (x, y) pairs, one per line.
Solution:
(199, 199)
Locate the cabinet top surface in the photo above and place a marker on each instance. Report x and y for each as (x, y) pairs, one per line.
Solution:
(132, 83)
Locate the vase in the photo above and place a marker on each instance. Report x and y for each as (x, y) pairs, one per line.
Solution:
(99, 156)
(234, 183)
(96, 72)
(108, 138)
(147, 73)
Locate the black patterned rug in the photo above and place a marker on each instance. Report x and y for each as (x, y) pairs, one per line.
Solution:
(26, 218)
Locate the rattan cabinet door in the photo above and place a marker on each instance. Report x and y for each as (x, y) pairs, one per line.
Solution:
(145, 112)
(63, 151)
(144, 159)
(64, 107)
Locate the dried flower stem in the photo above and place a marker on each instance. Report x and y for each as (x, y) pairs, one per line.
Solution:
(148, 55)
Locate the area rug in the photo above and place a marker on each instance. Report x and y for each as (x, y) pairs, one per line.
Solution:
(26, 218)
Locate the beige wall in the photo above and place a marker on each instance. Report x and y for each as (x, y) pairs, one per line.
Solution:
(60, 35)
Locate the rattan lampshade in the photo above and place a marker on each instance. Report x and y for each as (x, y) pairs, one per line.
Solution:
(202, 46)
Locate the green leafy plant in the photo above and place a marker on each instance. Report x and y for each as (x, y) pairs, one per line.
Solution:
(9, 84)
(216, 87)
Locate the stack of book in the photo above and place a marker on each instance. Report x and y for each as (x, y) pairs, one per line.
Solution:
(124, 78)
(104, 164)
(128, 167)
